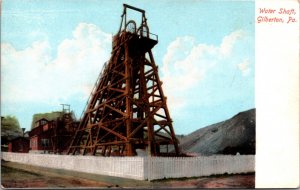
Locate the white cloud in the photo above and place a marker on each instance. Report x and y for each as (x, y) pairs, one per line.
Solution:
(244, 67)
(229, 41)
(32, 74)
(186, 64)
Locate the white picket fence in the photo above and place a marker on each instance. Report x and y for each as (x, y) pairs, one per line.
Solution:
(141, 168)
(162, 167)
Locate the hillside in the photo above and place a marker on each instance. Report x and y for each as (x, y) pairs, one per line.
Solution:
(228, 137)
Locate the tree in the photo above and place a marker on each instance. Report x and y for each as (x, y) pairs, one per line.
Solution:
(10, 123)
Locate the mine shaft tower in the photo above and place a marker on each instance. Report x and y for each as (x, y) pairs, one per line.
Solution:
(127, 109)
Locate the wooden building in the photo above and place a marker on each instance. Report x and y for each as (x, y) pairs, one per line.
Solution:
(52, 136)
(19, 144)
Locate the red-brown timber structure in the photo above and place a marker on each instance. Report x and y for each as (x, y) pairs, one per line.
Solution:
(127, 108)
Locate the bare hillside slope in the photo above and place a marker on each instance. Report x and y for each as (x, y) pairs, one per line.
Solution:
(228, 137)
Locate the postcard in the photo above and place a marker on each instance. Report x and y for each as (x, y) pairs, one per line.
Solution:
(143, 94)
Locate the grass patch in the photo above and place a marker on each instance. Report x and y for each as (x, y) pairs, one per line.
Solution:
(9, 170)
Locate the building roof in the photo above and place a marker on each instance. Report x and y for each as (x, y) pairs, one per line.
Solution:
(44, 119)
(47, 116)
(19, 137)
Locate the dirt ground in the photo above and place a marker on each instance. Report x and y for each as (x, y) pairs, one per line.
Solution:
(224, 181)
(11, 177)
(14, 175)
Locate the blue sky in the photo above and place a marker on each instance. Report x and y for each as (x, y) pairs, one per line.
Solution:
(52, 52)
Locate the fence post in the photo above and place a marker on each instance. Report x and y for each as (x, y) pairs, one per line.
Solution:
(148, 168)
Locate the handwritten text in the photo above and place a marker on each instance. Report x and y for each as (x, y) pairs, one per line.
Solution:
(282, 15)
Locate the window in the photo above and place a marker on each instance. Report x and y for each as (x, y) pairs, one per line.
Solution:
(43, 122)
(33, 143)
(45, 142)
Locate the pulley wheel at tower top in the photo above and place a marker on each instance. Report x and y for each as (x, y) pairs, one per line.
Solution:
(131, 26)
(143, 31)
